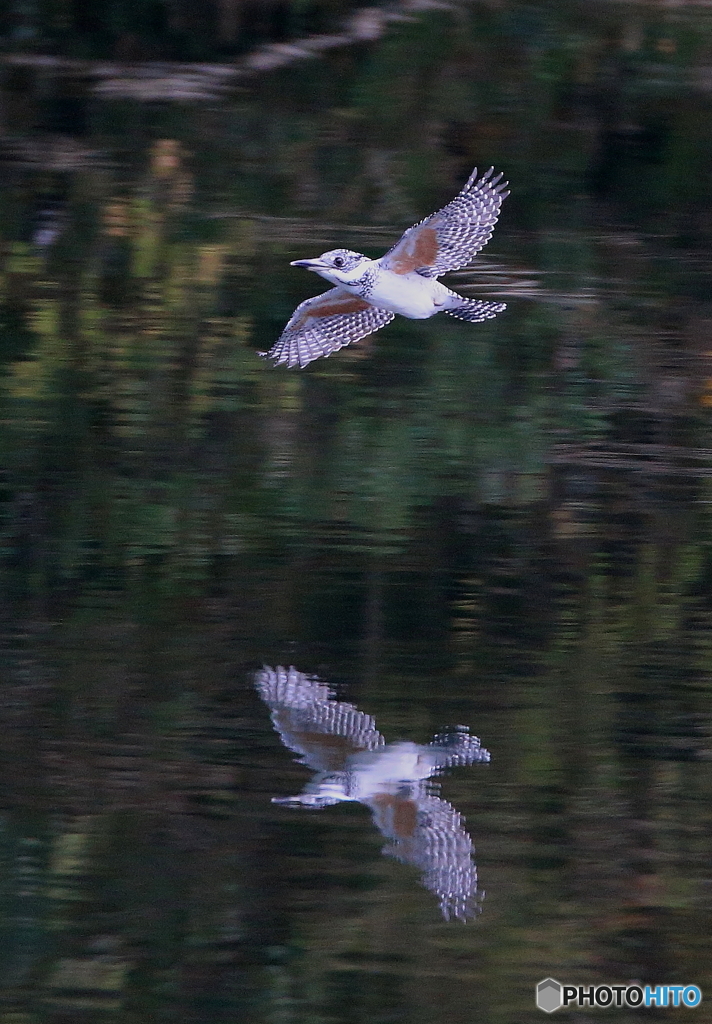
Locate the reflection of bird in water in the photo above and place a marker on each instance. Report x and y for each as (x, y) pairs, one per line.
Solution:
(369, 293)
(50, 220)
(353, 762)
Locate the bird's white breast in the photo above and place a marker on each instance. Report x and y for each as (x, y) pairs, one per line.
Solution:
(410, 295)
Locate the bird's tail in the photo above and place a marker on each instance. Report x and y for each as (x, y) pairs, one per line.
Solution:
(474, 311)
(456, 747)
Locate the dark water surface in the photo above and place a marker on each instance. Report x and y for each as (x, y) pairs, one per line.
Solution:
(503, 526)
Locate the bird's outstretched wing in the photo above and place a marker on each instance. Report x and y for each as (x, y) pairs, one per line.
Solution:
(427, 832)
(311, 723)
(447, 240)
(324, 324)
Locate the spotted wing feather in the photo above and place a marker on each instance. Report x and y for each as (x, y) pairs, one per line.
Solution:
(310, 722)
(438, 845)
(448, 240)
(324, 324)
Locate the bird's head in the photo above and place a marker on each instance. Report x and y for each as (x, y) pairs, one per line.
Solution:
(339, 266)
(323, 791)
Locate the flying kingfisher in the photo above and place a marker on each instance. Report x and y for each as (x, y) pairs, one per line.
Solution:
(369, 293)
(353, 762)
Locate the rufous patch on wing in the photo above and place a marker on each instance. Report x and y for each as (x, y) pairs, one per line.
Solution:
(419, 249)
(333, 749)
(349, 304)
(330, 307)
(400, 817)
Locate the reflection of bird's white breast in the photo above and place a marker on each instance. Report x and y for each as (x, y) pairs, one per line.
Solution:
(394, 764)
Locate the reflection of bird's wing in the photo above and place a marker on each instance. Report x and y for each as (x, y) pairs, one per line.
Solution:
(457, 747)
(311, 723)
(428, 833)
(448, 239)
(324, 324)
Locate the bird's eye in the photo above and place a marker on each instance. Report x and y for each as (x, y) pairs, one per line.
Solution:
(338, 261)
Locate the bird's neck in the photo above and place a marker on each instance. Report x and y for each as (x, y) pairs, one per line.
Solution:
(357, 272)
(350, 278)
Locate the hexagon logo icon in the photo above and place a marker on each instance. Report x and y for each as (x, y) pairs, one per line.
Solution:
(548, 995)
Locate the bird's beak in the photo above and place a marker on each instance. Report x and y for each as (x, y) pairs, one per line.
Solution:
(315, 265)
(295, 801)
(313, 800)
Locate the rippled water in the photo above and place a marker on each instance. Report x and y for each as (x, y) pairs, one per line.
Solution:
(500, 527)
